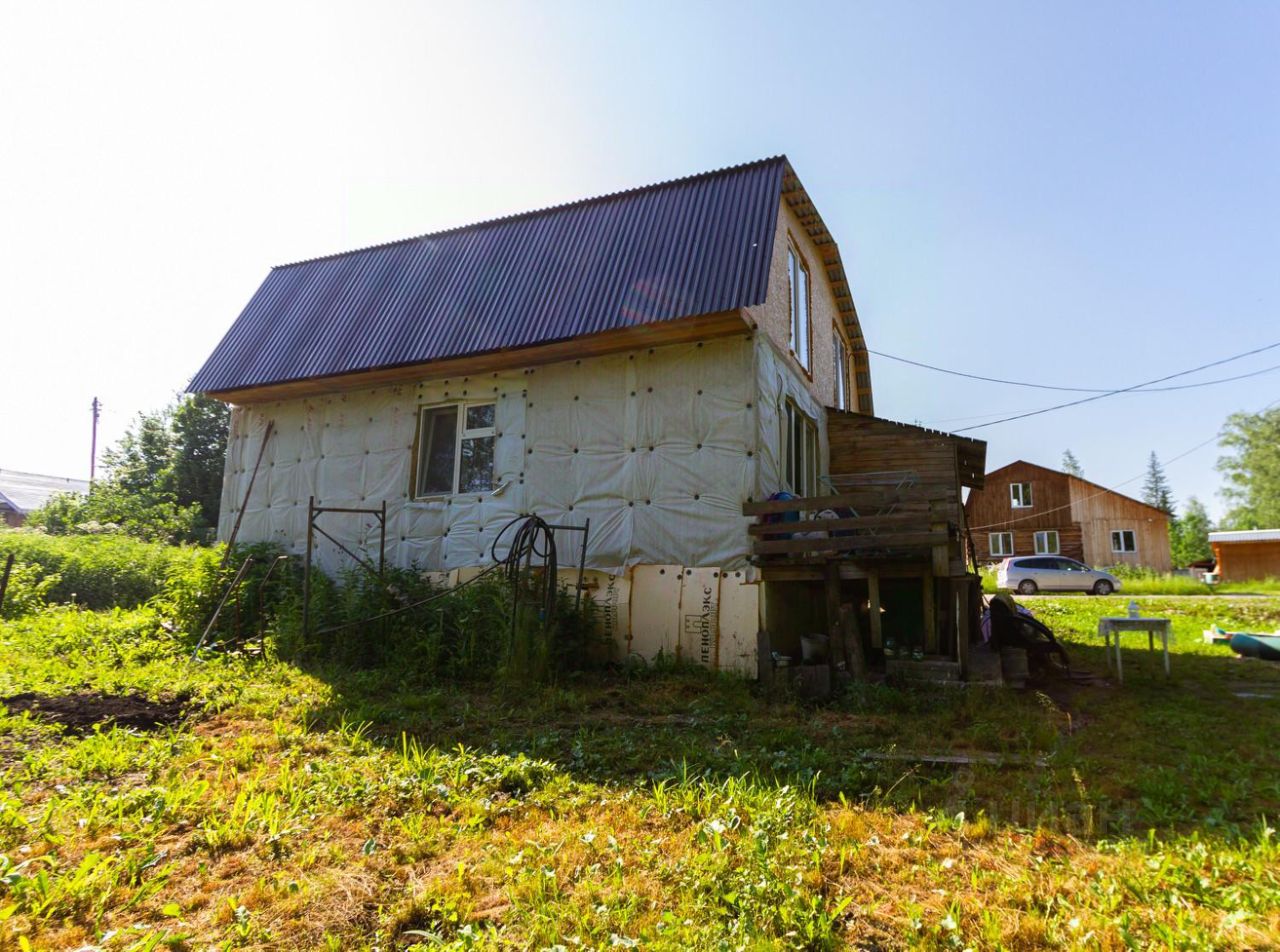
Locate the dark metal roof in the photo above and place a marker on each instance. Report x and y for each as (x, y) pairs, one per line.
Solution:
(697, 245)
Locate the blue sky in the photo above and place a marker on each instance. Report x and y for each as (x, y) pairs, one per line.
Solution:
(1082, 195)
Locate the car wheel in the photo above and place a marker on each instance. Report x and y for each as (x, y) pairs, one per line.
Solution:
(1103, 587)
(1027, 587)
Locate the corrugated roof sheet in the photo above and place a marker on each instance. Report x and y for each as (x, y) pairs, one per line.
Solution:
(1246, 535)
(698, 245)
(24, 492)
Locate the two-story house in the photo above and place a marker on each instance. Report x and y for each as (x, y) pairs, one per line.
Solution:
(1025, 509)
(656, 361)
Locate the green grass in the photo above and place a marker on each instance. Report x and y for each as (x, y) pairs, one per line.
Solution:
(1146, 582)
(332, 807)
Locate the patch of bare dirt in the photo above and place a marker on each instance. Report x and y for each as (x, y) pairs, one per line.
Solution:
(80, 712)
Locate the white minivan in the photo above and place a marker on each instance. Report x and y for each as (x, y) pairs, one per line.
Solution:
(1029, 574)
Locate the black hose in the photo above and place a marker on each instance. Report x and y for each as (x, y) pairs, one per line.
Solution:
(534, 538)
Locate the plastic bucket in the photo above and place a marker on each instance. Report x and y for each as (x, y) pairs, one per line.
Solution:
(813, 648)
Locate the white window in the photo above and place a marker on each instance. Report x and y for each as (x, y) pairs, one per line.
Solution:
(842, 372)
(799, 452)
(1020, 495)
(1000, 543)
(1124, 540)
(1047, 542)
(455, 449)
(799, 283)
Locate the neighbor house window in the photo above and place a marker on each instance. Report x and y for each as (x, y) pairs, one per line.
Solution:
(842, 372)
(1020, 495)
(799, 284)
(1124, 540)
(1047, 542)
(1000, 543)
(799, 452)
(455, 449)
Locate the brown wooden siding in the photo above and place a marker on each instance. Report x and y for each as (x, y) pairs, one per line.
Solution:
(991, 506)
(1101, 512)
(1070, 542)
(1083, 514)
(861, 444)
(1247, 561)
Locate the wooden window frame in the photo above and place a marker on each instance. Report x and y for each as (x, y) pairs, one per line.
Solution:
(1002, 553)
(460, 433)
(796, 264)
(1133, 534)
(844, 368)
(1020, 500)
(1043, 534)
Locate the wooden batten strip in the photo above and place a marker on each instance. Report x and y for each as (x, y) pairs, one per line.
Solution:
(850, 543)
(683, 330)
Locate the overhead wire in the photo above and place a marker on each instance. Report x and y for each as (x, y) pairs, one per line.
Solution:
(1045, 386)
(1112, 393)
(1103, 490)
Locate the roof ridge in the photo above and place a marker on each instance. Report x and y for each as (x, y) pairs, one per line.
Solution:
(23, 472)
(531, 213)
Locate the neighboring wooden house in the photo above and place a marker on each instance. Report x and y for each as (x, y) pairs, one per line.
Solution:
(1246, 555)
(21, 493)
(1026, 509)
(658, 361)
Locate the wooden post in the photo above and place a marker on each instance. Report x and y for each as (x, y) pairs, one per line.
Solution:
(855, 656)
(941, 553)
(235, 529)
(306, 570)
(873, 600)
(964, 628)
(930, 614)
(835, 632)
(4, 580)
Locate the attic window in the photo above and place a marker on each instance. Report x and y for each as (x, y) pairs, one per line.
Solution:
(798, 275)
(1020, 495)
(455, 449)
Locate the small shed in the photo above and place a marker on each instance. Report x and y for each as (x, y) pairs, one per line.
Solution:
(1246, 555)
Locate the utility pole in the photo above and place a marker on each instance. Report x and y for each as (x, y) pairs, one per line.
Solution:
(93, 441)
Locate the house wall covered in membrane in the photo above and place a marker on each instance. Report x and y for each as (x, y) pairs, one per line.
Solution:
(658, 447)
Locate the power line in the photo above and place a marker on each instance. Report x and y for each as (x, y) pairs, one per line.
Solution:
(1045, 386)
(1185, 386)
(1112, 393)
(1104, 490)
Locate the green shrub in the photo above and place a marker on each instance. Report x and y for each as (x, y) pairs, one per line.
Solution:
(114, 510)
(192, 590)
(1137, 580)
(27, 590)
(104, 571)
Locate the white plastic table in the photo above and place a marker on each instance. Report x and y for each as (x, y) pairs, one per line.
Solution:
(1110, 628)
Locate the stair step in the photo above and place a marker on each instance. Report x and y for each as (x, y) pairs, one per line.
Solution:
(930, 669)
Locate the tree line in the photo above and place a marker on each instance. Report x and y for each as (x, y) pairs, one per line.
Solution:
(163, 480)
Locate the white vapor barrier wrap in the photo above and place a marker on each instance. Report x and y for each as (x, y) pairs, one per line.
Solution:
(776, 380)
(659, 448)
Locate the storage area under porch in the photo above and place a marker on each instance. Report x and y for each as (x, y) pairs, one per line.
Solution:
(870, 573)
